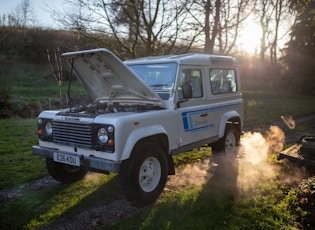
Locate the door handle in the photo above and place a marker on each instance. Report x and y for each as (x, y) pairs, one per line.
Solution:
(203, 115)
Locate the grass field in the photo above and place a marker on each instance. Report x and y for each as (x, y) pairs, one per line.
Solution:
(18, 164)
(266, 204)
(265, 207)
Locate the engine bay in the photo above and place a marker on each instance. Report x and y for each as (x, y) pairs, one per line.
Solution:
(99, 107)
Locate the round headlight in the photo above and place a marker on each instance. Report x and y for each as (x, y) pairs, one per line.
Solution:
(102, 135)
(48, 128)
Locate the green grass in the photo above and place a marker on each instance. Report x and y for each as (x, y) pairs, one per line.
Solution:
(35, 83)
(192, 156)
(18, 164)
(263, 108)
(212, 207)
(41, 207)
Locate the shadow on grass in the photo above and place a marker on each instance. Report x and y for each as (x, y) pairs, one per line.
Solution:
(206, 206)
(37, 208)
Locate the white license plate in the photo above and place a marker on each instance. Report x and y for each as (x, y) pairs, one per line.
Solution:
(67, 159)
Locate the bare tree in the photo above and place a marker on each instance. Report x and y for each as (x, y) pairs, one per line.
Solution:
(134, 28)
(280, 13)
(272, 14)
(24, 14)
(232, 18)
(264, 11)
(221, 22)
(210, 35)
(56, 70)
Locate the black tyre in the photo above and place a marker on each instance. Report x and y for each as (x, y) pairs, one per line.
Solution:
(228, 143)
(307, 149)
(308, 142)
(144, 174)
(65, 173)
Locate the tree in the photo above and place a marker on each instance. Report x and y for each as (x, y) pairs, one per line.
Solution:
(221, 22)
(24, 14)
(133, 27)
(272, 15)
(280, 10)
(264, 11)
(299, 54)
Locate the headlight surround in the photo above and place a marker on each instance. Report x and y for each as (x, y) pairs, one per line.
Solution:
(104, 138)
(45, 129)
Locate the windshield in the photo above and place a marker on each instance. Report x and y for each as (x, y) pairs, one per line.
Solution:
(159, 77)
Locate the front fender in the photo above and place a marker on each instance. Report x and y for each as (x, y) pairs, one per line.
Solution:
(139, 134)
(226, 116)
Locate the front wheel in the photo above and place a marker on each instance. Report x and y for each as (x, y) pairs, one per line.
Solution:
(144, 175)
(65, 173)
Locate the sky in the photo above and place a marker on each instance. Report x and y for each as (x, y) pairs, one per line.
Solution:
(41, 10)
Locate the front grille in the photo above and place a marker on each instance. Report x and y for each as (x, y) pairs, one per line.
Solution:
(73, 134)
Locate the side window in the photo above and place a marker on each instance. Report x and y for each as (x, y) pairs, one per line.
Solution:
(193, 76)
(223, 81)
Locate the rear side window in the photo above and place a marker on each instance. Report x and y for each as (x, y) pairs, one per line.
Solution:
(223, 81)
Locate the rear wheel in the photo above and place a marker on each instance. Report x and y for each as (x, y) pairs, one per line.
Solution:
(144, 175)
(228, 143)
(65, 173)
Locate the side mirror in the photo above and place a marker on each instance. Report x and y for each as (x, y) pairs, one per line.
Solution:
(187, 90)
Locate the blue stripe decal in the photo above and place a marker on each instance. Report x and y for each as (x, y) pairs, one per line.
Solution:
(193, 122)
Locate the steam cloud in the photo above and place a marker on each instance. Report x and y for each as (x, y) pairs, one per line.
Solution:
(255, 148)
(252, 165)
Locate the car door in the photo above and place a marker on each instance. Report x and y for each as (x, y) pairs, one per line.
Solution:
(194, 123)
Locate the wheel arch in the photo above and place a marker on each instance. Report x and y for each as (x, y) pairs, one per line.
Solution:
(231, 117)
(154, 133)
(159, 138)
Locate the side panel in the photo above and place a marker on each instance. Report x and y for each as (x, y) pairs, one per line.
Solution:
(139, 134)
(133, 128)
(206, 121)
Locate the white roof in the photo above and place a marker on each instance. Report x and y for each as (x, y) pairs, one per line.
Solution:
(188, 59)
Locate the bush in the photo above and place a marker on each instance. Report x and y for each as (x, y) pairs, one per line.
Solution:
(306, 203)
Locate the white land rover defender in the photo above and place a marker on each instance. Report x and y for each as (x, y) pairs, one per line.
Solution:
(145, 111)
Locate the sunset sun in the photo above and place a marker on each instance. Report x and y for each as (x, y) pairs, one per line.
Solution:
(249, 39)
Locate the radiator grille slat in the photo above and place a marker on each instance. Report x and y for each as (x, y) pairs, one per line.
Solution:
(73, 134)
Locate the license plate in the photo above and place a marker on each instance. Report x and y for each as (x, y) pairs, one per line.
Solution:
(67, 159)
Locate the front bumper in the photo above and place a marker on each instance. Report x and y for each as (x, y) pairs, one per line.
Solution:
(93, 163)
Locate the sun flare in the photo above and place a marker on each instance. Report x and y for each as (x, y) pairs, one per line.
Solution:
(249, 39)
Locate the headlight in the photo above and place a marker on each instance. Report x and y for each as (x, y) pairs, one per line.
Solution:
(103, 138)
(45, 129)
(102, 135)
(48, 128)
